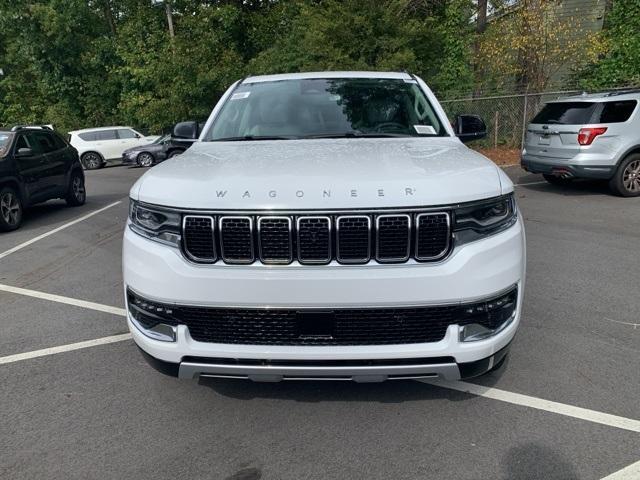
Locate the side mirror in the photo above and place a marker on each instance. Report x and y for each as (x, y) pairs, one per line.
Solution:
(137, 135)
(469, 127)
(25, 152)
(186, 130)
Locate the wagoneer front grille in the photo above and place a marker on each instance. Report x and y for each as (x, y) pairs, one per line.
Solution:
(317, 239)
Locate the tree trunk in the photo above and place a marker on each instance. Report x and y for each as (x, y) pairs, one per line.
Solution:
(106, 10)
(167, 6)
(481, 26)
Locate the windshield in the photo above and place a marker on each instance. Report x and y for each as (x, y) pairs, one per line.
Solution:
(316, 108)
(162, 139)
(4, 142)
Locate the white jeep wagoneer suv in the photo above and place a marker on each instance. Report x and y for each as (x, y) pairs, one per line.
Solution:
(325, 226)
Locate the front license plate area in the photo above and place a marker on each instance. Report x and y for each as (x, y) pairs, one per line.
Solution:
(316, 324)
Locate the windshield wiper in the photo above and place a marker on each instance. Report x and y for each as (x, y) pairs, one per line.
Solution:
(356, 134)
(255, 137)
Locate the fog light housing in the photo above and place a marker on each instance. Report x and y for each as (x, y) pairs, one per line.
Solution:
(152, 319)
(482, 320)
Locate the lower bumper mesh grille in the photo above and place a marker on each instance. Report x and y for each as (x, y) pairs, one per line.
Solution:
(361, 326)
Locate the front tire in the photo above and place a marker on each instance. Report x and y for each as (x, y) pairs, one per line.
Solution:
(91, 161)
(145, 159)
(10, 209)
(626, 181)
(554, 180)
(76, 192)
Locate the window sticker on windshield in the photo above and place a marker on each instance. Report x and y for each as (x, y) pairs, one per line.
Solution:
(240, 95)
(410, 80)
(425, 129)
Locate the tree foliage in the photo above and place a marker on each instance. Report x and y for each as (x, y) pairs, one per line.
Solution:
(619, 61)
(530, 43)
(82, 63)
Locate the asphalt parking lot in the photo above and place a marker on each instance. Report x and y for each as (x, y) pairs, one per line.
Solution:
(78, 401)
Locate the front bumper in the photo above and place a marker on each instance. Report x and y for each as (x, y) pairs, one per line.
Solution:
(472, 272)
(130, 158)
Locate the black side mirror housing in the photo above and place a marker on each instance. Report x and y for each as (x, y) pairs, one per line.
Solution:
(25, 152)
(186, 130)
(469, 127)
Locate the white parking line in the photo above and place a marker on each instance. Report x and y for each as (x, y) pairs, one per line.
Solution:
(56, 230)
(632, 472)
(487, 392)
(66, 300)
(542, 404)
(64, 348)
(530, 183)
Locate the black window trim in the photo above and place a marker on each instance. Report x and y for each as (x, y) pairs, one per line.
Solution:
(597, 111)
(600, 109)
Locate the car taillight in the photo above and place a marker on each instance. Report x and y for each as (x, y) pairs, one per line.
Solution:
(586, 136)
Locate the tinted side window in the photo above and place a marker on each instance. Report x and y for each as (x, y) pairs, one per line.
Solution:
(106, 135)
(126, 133)
(617, 112)
(88, 136)
(58, 141)
(22, 142)
(45, 140)
(29, 140)
(565, 113)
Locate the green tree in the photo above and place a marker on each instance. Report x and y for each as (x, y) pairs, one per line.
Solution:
(619, 61)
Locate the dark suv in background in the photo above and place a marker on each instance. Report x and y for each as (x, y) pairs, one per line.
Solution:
(36, 164)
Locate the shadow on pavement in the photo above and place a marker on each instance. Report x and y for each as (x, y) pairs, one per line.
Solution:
(529, 461)
(393, 391)
(575, 188)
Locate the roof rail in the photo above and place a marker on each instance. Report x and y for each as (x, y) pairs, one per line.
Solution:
(36, 127)
(622, 92)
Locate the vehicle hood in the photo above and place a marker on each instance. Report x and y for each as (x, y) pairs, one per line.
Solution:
(322, 174)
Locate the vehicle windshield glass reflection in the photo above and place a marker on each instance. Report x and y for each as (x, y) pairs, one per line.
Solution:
(326, 108)
(4, 143)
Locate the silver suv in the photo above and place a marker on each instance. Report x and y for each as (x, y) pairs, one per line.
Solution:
(587, 136)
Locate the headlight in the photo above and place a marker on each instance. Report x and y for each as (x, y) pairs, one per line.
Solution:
(484, 218)
(155, 223)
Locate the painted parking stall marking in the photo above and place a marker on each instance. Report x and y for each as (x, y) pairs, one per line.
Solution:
(479, 390)
(66, 300)
(542, 404)
(58, 229)
(45, 352)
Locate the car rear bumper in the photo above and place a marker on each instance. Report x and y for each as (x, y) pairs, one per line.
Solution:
(565, 167)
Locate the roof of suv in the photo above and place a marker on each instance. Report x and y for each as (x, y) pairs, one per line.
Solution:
(97, 129)
(311, 75)
(601, 97)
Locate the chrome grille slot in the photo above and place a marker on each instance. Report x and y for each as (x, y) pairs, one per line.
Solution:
(393, 238)
(314, 239)
(199, 241)
(274, 239)
(236, 239)
(432, 235)
(348, 237)
(353, 238)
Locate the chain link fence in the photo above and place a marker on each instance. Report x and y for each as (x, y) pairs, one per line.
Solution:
(506, 116)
